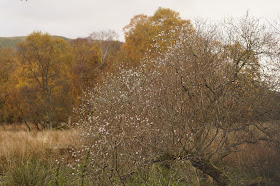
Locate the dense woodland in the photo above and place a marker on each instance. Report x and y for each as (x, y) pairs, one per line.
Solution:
(177, 95)
(43, 78)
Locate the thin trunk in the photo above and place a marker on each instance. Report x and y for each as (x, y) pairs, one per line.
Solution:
(27, 125)
(36, 124)
(25, 122)
(48, 109)
(69, 120)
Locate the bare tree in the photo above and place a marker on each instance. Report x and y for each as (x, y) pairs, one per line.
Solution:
(104, 41)
(196, 103)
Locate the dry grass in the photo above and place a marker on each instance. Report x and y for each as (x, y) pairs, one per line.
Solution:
(256, 160)
(18, 146)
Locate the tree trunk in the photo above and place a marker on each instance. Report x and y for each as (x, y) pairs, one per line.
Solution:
(22, 114)
(208, 168)
(202, 164)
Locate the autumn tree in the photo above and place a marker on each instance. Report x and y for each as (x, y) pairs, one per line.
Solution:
(153, 34)
(105, 41)
(86, 59)
(8, 65)
(44, 76)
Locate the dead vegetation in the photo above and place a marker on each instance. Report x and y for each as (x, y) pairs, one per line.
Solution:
(18, 146)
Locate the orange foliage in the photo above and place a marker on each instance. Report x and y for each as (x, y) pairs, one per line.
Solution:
(153, 35)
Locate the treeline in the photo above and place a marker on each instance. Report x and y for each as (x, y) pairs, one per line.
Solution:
(44, 78)
(175, 93)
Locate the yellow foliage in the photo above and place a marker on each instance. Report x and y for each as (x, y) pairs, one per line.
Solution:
(154, 34)
(44, 77)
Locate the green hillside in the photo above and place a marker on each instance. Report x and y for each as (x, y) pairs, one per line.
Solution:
(10, 41)
(13, 41)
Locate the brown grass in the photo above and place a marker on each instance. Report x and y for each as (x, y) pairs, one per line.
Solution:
(18, 146)
(256, 160)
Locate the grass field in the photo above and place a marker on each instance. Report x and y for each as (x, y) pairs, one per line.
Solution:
(31, 158)
(16, 144)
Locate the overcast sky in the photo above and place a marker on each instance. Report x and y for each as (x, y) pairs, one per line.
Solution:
(78, 18)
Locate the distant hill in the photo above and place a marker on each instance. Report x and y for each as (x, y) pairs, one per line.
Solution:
(13, 41)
